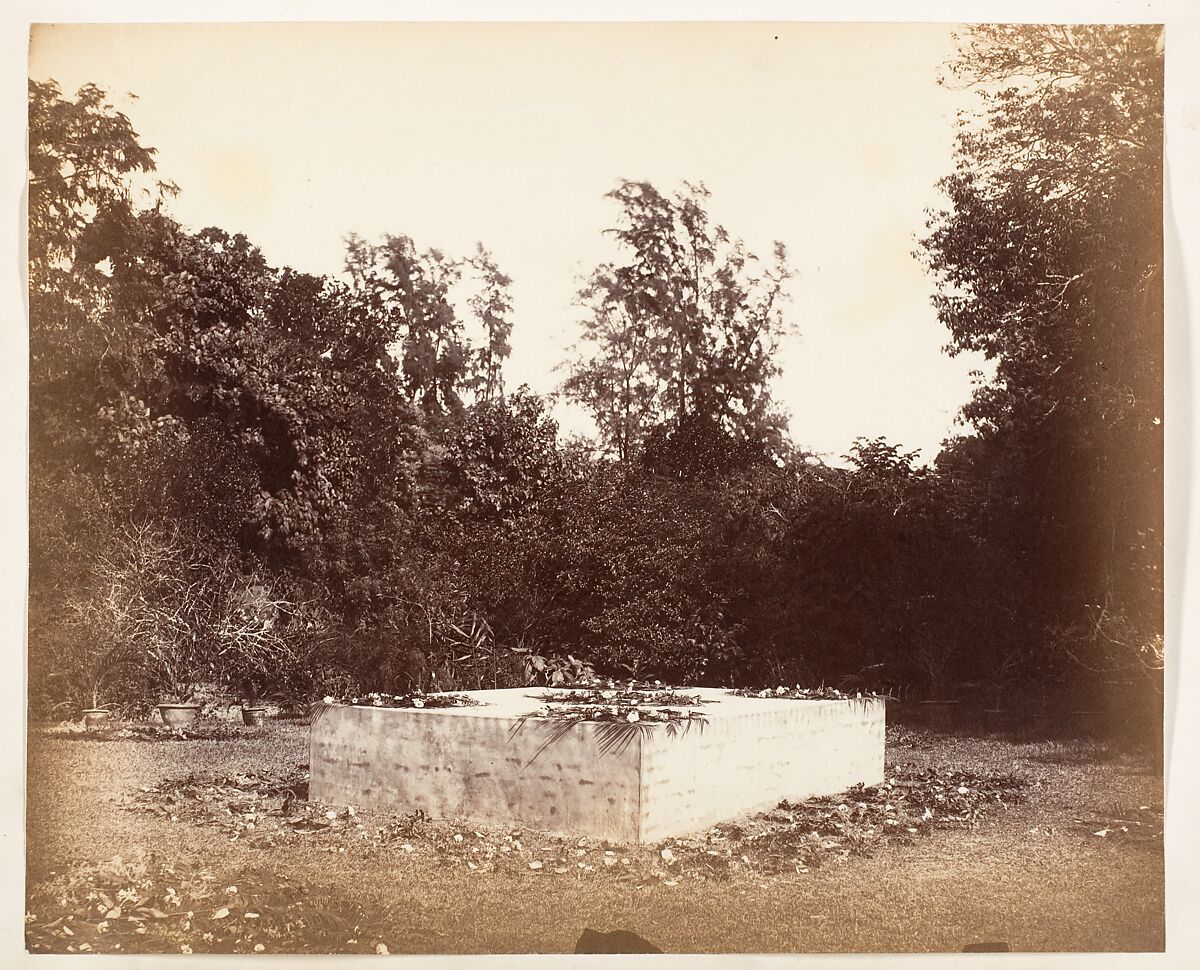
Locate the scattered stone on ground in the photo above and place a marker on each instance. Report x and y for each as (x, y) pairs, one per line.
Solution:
(141, 905)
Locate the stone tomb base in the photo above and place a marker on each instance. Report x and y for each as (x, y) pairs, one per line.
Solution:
(485, 763)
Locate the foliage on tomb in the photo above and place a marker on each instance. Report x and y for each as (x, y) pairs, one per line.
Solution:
(799, 693)
(626, 712)
(415, 700)
(665, 697)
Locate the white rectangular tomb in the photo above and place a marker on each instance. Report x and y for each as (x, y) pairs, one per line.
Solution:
(495, 764)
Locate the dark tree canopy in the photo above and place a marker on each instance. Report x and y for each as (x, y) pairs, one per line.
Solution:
(1049, 261)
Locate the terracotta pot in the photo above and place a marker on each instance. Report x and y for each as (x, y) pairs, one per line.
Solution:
(175, 715)
(95, 716)
(254, 716)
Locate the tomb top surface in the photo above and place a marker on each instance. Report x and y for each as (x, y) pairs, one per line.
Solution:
(518, 702)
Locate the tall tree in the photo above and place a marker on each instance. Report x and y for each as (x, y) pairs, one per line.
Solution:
(82, 155)
(686, 325)
(613, 374)
(415, 287)
(1049, 261)
(492, 307)
(442, 368)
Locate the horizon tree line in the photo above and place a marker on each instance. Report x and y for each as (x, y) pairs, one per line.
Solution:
(378, 475)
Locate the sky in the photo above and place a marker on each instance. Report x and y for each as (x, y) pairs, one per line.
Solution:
(828, 137)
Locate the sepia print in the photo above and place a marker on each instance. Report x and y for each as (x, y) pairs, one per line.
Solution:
(595, 488)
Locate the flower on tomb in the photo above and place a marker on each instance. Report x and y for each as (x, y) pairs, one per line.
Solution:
(417, 702)
(632, 717)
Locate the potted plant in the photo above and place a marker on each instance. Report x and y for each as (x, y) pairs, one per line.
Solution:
(173, 669)
(90, 657)
(260, 641)
(254, 689)
(98, 667)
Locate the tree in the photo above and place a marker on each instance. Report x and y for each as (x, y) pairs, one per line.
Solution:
(285, 379)
(271, 423)
(161, 355)
(503, 455)
(698, 449)
(1049, 261)
(438, 361)
(82, 154)
(686, 326)
(492, 307)
(415, 288)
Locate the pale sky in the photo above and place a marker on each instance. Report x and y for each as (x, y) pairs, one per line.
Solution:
(827, 137)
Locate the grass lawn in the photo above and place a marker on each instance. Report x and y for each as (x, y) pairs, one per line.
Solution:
(1031, 872)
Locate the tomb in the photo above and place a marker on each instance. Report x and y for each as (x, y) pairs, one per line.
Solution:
(643, 782)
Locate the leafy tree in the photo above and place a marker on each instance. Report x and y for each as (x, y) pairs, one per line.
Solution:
(613, 374)
(82, 154)
(415, 289)
(162, 354)
(492, 307)
(504, 454)
(686, 326)
(697, 449)
(287, 376)
(1049, 261)
(634, 573)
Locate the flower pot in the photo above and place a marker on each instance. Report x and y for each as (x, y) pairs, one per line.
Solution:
(254, 716)
(175, 715)
(95, 716)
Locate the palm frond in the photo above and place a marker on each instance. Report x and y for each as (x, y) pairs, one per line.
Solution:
(612, 736)
(558, 730)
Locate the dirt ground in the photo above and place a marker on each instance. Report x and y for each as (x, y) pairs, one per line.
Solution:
(201, 846)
